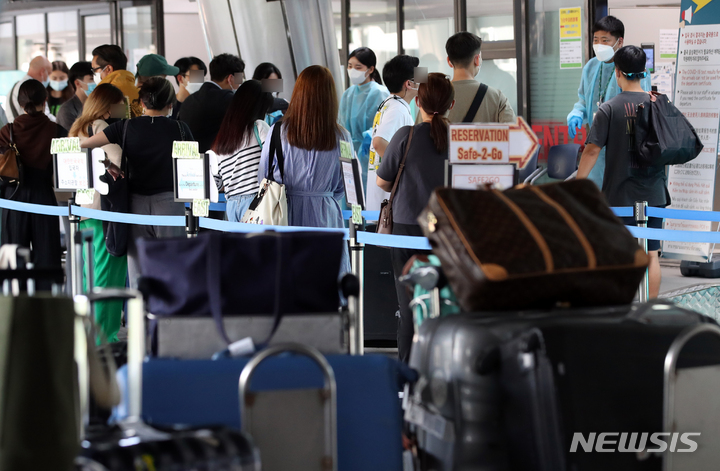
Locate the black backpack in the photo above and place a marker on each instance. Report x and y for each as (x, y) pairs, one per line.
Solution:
(663, 136)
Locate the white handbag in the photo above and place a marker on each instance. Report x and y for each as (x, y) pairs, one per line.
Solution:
(270, 207)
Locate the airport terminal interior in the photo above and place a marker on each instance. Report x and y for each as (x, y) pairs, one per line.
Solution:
(359, 235)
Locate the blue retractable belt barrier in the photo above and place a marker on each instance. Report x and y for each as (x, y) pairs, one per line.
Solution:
(213, 206)
(45, 209)
(140, 219)
(368, 215)
(685, 214)
(228, 226)
(624, 212)
(395, 241)
(674, 236)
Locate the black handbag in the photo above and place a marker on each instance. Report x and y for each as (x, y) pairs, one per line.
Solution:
(117, 201)
(663, 135)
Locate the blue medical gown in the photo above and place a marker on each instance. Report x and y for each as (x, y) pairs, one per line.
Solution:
(358, 106)
(588, 97)
(314, 186)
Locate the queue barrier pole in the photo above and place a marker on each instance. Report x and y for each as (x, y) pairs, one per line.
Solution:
(641, 221)
(74, 256)
(191, 222)
(356, 330)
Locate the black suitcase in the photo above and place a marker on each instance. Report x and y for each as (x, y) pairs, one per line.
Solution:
(380, 298)
(509, 391)
(206, 449)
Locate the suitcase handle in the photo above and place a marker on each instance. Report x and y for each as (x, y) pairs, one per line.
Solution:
(656, 312)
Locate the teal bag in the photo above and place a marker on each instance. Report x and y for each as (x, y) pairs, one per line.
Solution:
(421, 303)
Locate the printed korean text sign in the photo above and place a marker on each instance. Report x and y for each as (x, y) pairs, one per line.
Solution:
(697, 95)
(571, 38)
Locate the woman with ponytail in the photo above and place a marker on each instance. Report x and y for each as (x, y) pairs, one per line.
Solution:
(32, 133)
(361, 100)
(423, 171)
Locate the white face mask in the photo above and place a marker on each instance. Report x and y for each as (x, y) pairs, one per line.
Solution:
(357, 76)
(96, 78)
(192, 87)
(604, 52)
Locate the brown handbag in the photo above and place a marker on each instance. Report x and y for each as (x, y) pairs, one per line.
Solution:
(385, 221)
(533, 247)
(9, 162)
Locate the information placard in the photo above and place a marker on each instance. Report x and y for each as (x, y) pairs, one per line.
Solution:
(479, 143)
(352, 182)
(571, 38)
(470, 177)
(73, 170)
(191, 177)
(697, 95)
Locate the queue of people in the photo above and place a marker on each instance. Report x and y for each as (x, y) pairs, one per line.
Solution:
(232, 119)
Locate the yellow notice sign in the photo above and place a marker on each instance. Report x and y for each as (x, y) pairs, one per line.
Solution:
(65, 145)
(570, 26)
(571, 38)
(185, 150)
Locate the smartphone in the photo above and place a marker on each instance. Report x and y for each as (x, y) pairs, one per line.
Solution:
(649, 49)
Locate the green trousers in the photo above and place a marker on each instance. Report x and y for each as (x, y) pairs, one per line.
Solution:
(109, 272)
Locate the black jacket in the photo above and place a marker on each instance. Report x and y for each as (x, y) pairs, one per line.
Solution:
(203, 111)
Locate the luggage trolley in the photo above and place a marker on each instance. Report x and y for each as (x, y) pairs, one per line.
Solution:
(303, 445)
(687, 408)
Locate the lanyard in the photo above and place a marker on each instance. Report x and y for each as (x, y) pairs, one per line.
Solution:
(391, 97)
(602, 90)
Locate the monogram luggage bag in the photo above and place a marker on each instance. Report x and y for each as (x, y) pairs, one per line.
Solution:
(533, 247)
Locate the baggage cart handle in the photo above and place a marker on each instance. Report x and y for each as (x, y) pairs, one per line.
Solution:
(330, 387)
(670, 377)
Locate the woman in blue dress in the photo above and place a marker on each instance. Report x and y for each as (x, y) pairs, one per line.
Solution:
(311, 139)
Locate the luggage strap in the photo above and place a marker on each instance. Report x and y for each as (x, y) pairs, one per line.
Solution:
(276, 150)
(475, 105)
(215, 289)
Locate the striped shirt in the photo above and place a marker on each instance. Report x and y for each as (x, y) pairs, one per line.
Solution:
(239, 171)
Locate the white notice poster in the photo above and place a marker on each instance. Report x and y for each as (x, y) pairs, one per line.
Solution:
(697, 95)
(72, 171)
(668, 44)
(190, 179)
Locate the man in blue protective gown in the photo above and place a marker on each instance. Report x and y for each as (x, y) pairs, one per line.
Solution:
(598, 83)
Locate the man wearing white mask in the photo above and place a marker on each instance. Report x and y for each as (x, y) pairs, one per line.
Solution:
(82, 80)
(187, 65)
(475, 102)
(598, 83)
(39, 69)
(392, 114)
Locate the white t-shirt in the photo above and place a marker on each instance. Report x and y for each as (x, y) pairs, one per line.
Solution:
(393, 115)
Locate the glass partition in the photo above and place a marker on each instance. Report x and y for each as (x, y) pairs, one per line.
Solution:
(63, 34)
(7, 49)
(373, 24)
(501, 74)
(428, 25)
(137, 34)
(553, 90)
(97, 33)
(30, 39)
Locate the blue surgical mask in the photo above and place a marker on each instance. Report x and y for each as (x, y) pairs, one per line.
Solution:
(58, 85)
(46, 82)
(90, 87)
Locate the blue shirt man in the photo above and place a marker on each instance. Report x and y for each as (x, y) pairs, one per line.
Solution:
(598, 83)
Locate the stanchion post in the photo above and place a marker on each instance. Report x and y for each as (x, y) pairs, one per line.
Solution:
(641, 221)
(74, 256)
(356, 330)
(191, 222)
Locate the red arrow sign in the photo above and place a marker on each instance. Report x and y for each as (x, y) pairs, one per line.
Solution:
(523, 143)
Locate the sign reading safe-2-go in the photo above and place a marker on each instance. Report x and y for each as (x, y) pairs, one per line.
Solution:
(480, 143)
(72, 166)
(191, 172)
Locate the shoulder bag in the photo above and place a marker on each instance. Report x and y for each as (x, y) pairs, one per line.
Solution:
(269, 207)
(475, 105)
(10, 166)
(385, 222)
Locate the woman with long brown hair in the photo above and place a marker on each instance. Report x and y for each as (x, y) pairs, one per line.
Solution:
(310, 137)
(110, 271)
(59, 90)
(424, 171)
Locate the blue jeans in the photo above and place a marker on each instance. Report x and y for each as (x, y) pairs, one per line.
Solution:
(237, 205)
